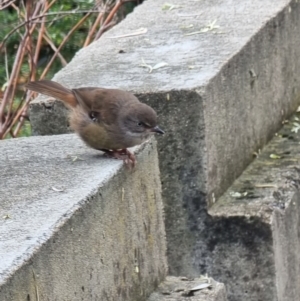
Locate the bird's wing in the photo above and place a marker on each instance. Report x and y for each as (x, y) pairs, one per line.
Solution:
(102, 103)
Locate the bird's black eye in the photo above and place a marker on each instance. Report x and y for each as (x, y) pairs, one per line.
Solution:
(140, 124)
(93, 116)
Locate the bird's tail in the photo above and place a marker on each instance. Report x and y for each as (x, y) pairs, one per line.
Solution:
(53, 89)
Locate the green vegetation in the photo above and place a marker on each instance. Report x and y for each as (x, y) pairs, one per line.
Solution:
(57, 27)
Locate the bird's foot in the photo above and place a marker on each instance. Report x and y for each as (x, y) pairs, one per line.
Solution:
(122, 154)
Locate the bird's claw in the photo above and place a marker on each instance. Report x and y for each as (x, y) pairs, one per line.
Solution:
(122, 154)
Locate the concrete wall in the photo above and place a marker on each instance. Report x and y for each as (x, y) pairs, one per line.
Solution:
(222, 96)
(78, 226)
(233, 76)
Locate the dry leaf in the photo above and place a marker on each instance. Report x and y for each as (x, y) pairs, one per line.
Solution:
(157, 66)
(201, 286)
(209, 27)
(57, 189)
(132, 34)
(236, 194)
(75, 158)
(265, 186)
(274, 156)
(170, 6)
(160, 65)
(296, 127)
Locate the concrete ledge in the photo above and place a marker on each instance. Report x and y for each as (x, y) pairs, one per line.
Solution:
(254, 242)
(78, 226)
(181, 288)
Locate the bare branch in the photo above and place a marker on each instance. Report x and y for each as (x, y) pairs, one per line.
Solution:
(62, 44)
(6, 64)
(6, 4)
(40, 17)
(54, 48)
(93, 29)
(34, 16)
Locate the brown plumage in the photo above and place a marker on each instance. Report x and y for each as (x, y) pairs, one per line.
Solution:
(110, 120)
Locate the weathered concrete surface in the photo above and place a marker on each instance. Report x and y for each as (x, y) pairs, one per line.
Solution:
(254, 234)
(77, 226)
(223, 94)
(183, 289)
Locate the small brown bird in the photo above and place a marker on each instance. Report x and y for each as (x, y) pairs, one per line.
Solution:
(109, 120)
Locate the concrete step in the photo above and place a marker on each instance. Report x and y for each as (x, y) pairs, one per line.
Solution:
(256, 248)
(185, 289)
(78, 226)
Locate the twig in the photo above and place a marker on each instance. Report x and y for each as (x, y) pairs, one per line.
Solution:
(38, 45)
(6, 64)
(6, 124)
(33, 64)
(93, 29)
(20, 112)
(54, 48)
(12, 116)
(29, 44)
(132, 34)
(39, 17)
(109, 18)
(9, 92)
(19, 126)
(62, 44)
(2, 6)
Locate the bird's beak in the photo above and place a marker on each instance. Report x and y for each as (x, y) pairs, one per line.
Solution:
(158, 130)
